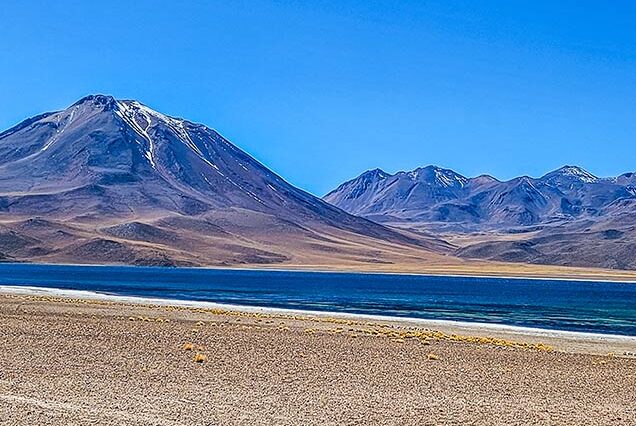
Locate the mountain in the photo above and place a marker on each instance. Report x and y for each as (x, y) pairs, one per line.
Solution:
(115, 181)
(566, 217)
(404, 196)
(443, 198)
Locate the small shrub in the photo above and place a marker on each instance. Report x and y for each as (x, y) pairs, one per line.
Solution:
(199, 357)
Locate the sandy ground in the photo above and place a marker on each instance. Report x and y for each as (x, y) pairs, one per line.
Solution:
(464, 268)
(92, 362)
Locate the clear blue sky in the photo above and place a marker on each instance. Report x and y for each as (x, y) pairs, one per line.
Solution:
(322, 90)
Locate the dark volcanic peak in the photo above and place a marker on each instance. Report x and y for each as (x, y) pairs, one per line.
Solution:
(375, 174)
(105, 101)
(362, 182)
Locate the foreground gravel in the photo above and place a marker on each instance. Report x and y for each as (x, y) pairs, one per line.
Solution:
(72, 362)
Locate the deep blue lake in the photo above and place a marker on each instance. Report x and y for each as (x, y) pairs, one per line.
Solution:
(597, 307)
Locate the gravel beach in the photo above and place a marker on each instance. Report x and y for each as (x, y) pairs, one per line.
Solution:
(78, 362)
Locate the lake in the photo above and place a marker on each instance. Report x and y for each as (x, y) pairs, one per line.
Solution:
(599, 307)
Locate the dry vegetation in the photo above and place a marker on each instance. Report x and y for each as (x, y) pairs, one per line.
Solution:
(213, 366)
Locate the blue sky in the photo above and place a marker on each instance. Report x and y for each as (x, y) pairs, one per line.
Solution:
(322, 90)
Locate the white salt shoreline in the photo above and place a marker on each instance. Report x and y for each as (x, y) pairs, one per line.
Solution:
(474, 328)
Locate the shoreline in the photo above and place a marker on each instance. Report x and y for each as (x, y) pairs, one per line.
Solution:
(575, 341)
(629, 279)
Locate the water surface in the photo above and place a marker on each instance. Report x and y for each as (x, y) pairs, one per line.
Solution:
(599, 307)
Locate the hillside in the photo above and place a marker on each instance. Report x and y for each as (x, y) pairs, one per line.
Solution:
(114, 181)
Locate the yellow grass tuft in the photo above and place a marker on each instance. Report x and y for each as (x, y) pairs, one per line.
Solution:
(432, 357)
(200, 358)
(188, 346)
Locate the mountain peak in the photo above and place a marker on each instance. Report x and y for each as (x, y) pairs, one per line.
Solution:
(438, 175)
(122, 106)
(377, 172)
(358, 186)
(484, 179)
(573, 172)
(97, 99)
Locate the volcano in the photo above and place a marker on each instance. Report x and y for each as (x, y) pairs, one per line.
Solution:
(114, 181)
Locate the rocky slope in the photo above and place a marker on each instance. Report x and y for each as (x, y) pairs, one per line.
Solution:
(109, 180)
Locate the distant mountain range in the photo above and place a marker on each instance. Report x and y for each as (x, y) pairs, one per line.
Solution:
(113, 181)
(567, 217)
(446, 199)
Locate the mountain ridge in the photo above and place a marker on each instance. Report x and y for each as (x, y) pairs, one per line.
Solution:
(566, 217)
(392, 195)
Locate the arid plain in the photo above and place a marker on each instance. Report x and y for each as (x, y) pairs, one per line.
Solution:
(75, 362)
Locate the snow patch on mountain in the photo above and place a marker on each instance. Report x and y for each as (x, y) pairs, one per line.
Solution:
(447, 178)
(578, 173)
(60, 129)
(442, 177)
(129, 115)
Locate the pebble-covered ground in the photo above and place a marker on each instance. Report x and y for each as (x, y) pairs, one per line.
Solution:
(73, 362)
